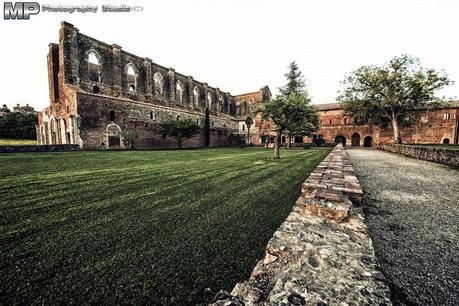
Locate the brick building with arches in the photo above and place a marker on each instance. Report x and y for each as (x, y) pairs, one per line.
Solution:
(440, 125)
(98, 92)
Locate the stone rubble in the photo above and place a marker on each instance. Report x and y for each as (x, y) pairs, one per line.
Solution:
(321, 254)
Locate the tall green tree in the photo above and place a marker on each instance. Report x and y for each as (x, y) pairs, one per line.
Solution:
(207, 128)
(396, 93)
(180, 129)
(291, 110)
(295, 81)
(248, 123)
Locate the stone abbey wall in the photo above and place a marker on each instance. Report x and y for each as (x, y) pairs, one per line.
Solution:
(445, 156)
(90, 80)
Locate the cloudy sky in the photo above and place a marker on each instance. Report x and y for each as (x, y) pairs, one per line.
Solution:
(240, 45)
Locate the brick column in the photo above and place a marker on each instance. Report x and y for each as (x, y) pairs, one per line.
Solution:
(171, 74)
(148, 77)
(117, 70)
(204, 85)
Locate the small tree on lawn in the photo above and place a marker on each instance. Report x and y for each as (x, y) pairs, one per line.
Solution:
(248, 123)
(291, 110)
(180, 129)
(291, 113)
(397, 92)
(129, 138)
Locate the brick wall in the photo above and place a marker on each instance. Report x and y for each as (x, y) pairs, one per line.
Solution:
(444, 156)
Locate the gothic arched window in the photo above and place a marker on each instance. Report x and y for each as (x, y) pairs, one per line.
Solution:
(159, 84)
(209, 100)
(94, 66)
(179, 91)
(195, 97)
(131, 77)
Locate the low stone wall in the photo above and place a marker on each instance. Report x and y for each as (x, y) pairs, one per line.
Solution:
(321, 254)
(43, 148)
(439, 155)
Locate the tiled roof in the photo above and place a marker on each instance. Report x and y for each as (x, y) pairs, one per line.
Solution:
(335, 105)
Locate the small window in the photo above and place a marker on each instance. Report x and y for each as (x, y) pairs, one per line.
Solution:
(446, 141)
(131, 87)
(95, 89)
(345, 120)
(243, 127)
(446, 116)
(152, 115)
(178, 117)
(330, 122)
(213, 123)
(112, 115)
(197, 121)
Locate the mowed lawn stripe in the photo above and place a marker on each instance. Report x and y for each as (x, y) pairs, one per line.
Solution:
(143, 227)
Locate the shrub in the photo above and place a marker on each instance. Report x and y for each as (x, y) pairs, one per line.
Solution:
(308, 146)
(235, 140)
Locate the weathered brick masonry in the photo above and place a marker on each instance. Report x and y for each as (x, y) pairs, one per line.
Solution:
(439, 125)
(99, 91)
(440, 155)
(321, 254)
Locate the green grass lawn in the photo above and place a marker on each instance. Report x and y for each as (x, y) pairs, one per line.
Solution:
(18, 142)
(140, 227)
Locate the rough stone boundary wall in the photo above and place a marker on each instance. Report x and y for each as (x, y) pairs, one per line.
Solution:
(439, 155)
(42, 148)
(321, 254)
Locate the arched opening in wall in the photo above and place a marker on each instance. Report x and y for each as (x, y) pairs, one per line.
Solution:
(446, 141)
(368, 141)
(298, 139)
(95, 89)
(131, 77)
(158, 81)
(195, 97)
(210, 101)
(355, 140)
(340, 140)
(94, 66)
(179, 92)
(113, 136)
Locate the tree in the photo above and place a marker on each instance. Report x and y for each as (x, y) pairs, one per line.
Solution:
(207, 128)
(180, 129)
(18, 125)
(129, 138)
(291, 110)
(248, 123)
(295, 81)
(396, 93)
(291, 113)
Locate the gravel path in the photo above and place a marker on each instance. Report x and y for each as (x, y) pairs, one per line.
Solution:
(412, 211)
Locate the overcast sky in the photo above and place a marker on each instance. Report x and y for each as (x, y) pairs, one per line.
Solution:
(241, 45)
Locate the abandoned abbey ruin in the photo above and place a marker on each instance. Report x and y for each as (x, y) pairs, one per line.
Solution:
(98, 92)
